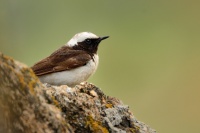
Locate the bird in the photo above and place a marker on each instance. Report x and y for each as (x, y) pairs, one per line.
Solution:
(72, 63)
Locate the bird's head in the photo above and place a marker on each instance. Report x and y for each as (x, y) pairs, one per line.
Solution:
(85, 41)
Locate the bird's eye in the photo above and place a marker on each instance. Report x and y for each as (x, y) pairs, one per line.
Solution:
(88, 41)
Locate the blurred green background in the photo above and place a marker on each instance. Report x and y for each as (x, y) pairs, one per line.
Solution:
(151, 60)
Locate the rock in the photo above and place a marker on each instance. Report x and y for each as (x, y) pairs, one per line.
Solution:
(27, 105)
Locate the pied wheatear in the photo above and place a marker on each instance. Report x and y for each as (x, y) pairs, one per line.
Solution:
(71, 64)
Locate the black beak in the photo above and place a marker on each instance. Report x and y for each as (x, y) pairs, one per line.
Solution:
(103, 38)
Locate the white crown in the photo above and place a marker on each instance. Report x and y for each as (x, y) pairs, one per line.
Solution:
(80, 37)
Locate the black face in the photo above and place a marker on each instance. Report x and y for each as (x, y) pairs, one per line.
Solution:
(89, 45)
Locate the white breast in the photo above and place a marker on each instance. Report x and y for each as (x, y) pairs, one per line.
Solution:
(72, 77)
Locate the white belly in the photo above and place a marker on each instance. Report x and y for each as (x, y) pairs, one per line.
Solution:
(71, 77)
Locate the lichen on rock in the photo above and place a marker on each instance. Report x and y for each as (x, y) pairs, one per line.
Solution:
(27, 105)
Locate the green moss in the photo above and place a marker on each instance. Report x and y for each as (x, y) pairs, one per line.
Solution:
(95, 126)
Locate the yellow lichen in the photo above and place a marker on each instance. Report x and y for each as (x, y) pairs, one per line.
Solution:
(21, 80)
(18, 75)
(109, 105)
(55, 102)
(95, 126)
(31, 86)
(135, 129)
(7, 58)
(32, 74)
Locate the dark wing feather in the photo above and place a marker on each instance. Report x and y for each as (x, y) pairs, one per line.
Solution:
(62, 59)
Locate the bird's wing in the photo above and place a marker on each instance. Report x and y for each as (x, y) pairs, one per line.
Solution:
(62, 59)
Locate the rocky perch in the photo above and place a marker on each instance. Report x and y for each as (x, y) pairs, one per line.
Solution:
(28, 106)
